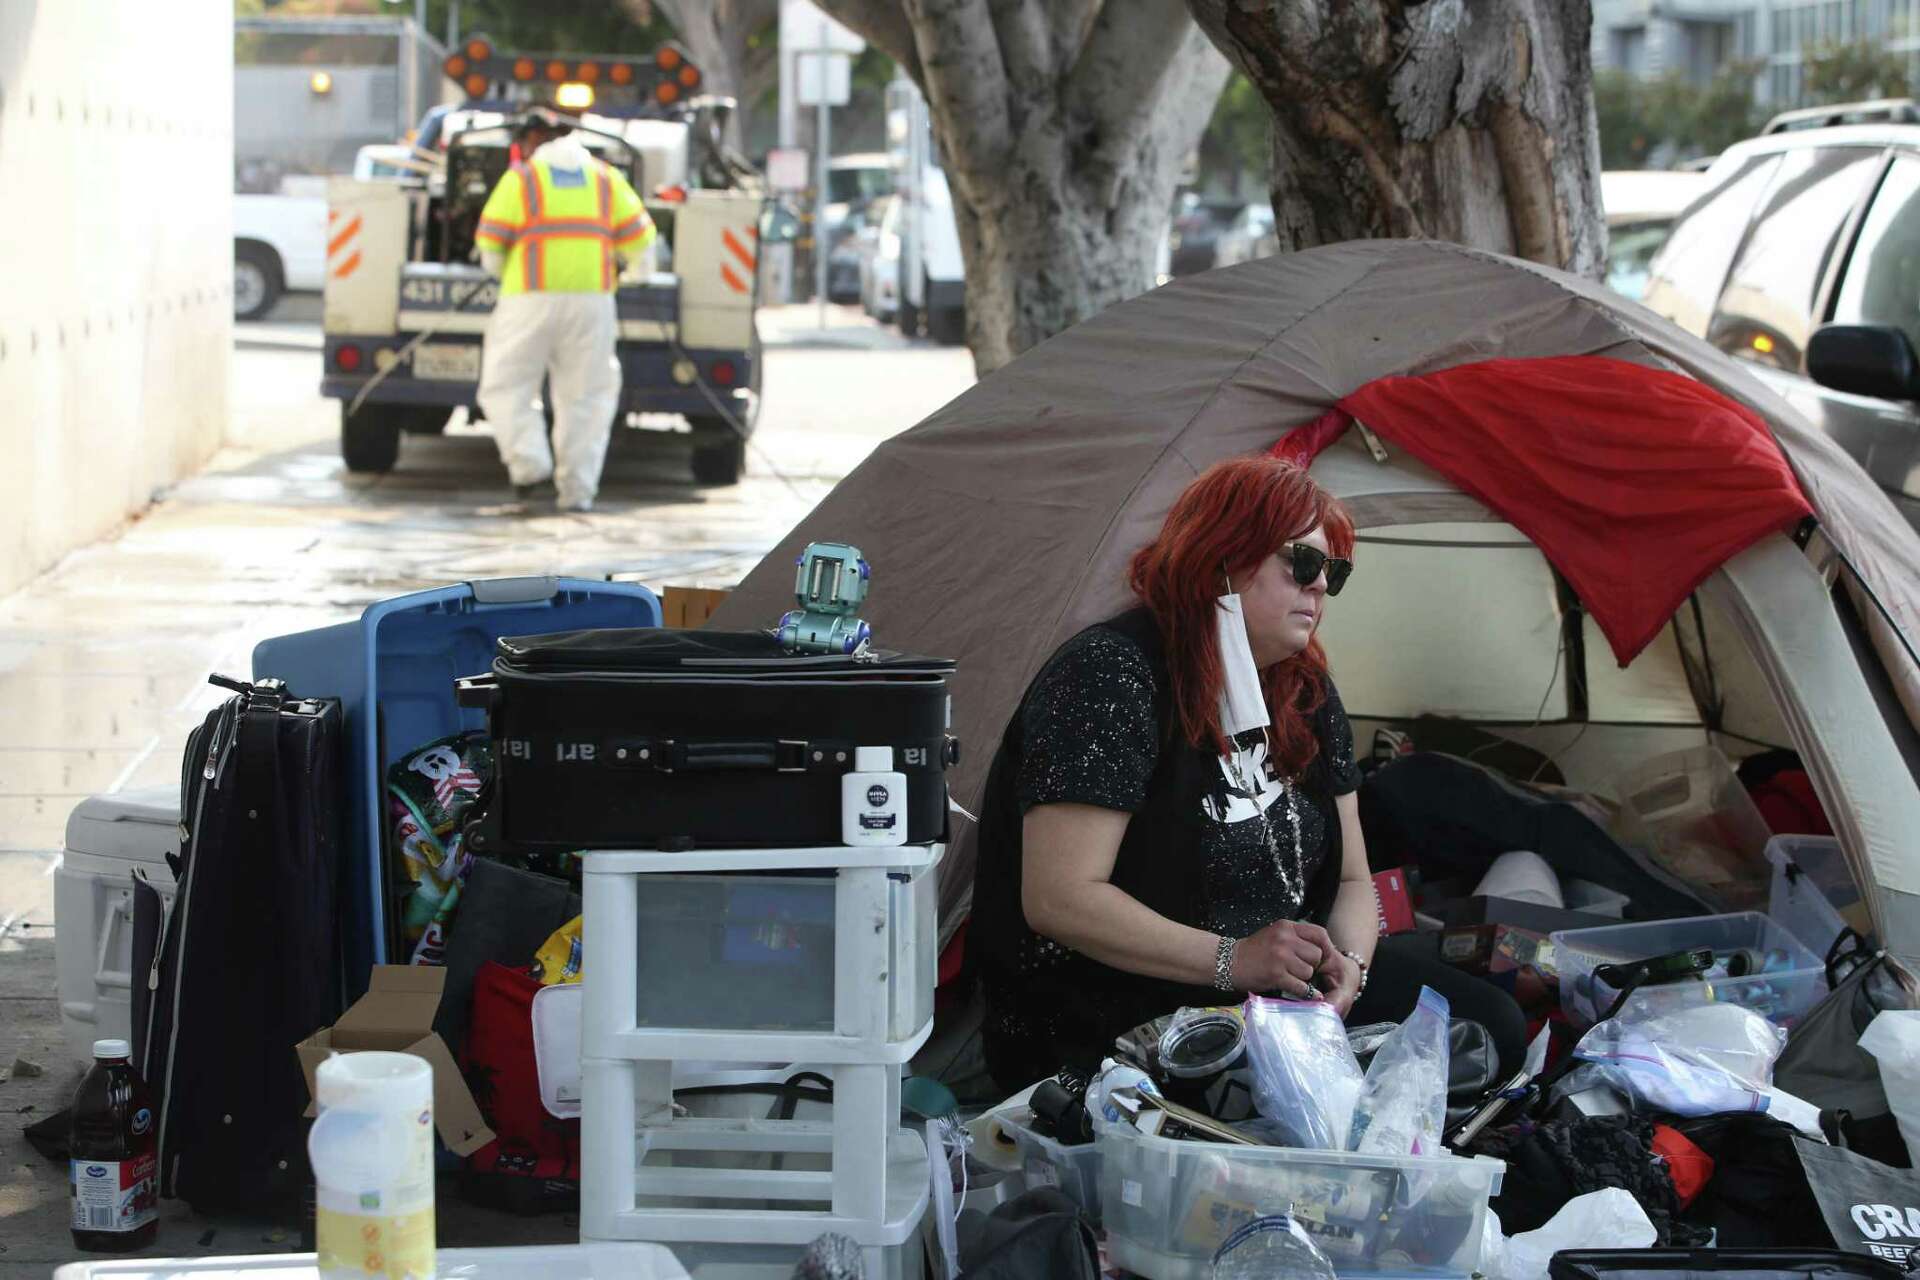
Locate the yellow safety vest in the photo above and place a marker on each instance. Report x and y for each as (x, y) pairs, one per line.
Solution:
(561, 227)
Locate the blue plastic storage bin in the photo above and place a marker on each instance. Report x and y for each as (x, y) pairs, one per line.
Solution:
(393, 669)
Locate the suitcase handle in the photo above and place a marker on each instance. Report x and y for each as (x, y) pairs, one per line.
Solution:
(474, 692)
(785, 756)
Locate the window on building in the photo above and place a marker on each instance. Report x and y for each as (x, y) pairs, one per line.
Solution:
(1766, 310)
(1630, 50)
(1882, 280)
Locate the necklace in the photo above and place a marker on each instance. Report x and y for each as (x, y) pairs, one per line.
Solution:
(1291, 876)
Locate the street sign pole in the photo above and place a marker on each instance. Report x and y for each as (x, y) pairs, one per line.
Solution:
(822, 150)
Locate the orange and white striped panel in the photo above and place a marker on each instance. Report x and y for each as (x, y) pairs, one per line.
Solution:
(744, 259)
(343, 244)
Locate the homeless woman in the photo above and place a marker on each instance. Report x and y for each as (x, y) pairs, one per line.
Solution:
(1172, 817)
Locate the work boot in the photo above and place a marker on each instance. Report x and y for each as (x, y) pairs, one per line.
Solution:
(530, 492)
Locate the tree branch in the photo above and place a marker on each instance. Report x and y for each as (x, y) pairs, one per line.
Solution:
(1071, 21)
(885, 26)
(965, 80)
(1026, 49)
(1115, 82)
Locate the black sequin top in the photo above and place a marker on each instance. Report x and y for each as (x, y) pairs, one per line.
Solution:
(1253, 845)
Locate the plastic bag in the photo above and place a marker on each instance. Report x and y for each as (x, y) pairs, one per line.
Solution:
(1606, 1219)
(1893, 1037)
(1272, 1248)
(1691, 1061)
(1305, 1077)
(1403, 1099)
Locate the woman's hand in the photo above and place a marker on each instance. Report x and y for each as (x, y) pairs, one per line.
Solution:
(1339, 981)
(1283, 957)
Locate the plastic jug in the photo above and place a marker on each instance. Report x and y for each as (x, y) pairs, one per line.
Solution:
(372, 1154)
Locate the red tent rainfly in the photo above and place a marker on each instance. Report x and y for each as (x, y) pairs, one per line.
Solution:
(1635, 483)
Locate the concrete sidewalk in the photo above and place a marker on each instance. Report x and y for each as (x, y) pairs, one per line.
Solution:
(103, 661)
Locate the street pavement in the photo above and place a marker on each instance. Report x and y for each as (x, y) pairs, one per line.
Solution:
(103, 660)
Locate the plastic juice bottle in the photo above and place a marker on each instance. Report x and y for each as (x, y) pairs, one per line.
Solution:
(113, 1169)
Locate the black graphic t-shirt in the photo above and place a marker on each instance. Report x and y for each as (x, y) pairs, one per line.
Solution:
(1089, 734)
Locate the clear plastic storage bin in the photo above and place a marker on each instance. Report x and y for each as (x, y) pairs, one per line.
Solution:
(601, 1261)
(1074, 1171)
(1690, 813)
(756, 952)
(1785, 979)
(1813, 891)
(1168, 1205)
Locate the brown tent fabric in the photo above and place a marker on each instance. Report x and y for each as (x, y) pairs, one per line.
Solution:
(1003, 523)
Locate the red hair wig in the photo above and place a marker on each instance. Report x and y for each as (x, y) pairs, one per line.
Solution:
(1233, 516)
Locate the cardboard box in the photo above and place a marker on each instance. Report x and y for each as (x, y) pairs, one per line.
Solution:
(396, 1015)
(689, 607)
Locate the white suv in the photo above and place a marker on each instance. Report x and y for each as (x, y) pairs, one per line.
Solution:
(1802, 257)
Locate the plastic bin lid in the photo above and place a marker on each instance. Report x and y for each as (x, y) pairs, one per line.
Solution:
(121, 825)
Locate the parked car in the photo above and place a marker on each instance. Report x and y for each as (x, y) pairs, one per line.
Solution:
(843, 260)
(1802, 257)
(279, 243)
(1196, 233)
(1640, 206)
(1248, 236)
(880, 262)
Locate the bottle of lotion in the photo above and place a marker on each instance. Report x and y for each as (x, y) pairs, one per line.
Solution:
(873, 800)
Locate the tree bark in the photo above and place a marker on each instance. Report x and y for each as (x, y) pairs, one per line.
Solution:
(719, 38)
(1063, 124)
(1463, 120)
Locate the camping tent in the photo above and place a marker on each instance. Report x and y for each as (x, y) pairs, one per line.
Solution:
(1003, 523)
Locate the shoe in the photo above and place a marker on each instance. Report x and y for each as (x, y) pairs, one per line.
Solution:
(538, 489)
(580, 505)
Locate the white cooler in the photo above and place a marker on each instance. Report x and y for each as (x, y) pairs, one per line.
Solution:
(107, 837)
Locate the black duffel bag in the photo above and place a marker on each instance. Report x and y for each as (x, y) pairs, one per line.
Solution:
(669, 739)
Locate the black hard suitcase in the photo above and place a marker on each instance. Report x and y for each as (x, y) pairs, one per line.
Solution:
(1718, 1264)
(247, 962)
(670, 739)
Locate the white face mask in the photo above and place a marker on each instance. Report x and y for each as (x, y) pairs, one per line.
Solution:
(1242, 705)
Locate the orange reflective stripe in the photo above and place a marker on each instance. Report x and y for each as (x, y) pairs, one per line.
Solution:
(603, 181)
(497, 231)
(536, 276)
(529, 189)
(346, 233)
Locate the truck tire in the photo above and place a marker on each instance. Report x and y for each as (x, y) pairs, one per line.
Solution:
(719, 454)
(948, 326)
(258, 280)
(370, 439)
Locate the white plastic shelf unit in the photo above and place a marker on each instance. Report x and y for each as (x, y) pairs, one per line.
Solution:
(883, 939)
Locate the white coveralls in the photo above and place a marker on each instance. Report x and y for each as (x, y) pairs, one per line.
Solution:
(567, 338)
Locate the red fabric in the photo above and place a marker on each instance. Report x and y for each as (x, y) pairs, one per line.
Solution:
(501, 1072)
(1690, 1168)
(1302, 445)
(1634, 482)
(1788, 803)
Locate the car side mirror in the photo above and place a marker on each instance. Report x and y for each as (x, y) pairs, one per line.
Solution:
(779, 226)
(1864, 360)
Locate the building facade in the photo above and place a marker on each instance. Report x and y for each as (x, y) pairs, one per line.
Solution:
(1696, 38)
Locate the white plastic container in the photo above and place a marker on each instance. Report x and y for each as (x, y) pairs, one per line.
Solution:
(1167, 1205)
(372, 1153)
(1074, 1171)
(873, 800)
(597, 1261)
(1812, 888)
(1689, 811)
(108, 836)
(1795, 983)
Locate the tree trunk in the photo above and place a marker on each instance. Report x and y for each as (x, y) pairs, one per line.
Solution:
(718, 35)
(1462, 120)
(1064, 125)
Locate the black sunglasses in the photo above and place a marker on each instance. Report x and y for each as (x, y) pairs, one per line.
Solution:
(1308, 560)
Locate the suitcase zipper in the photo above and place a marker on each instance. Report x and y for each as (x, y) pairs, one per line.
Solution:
(179, 977)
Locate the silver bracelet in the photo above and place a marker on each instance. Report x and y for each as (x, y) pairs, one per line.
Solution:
(1223, 964)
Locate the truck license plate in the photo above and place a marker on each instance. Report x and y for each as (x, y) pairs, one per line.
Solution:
(447, 361)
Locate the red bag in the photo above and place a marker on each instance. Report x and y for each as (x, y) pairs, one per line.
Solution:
(533, 1164)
